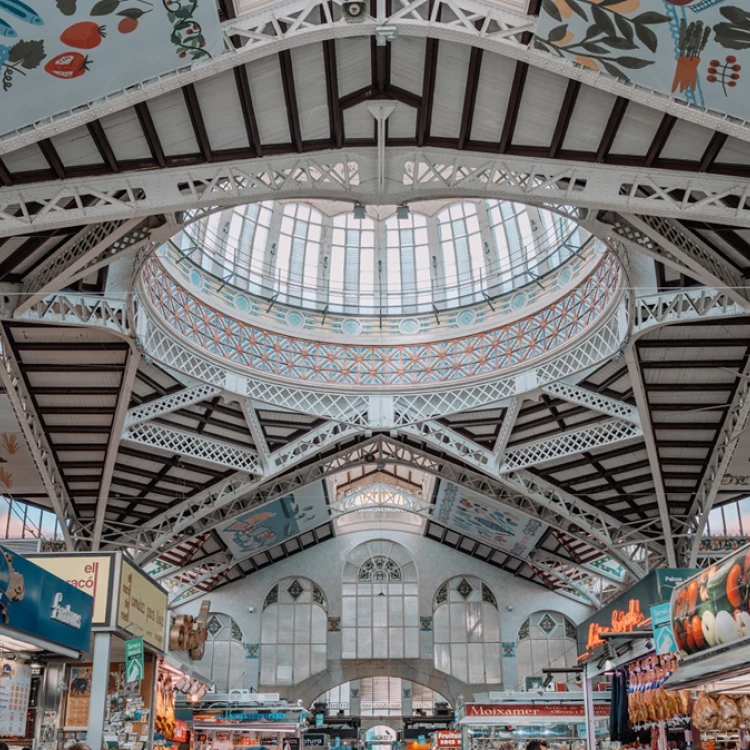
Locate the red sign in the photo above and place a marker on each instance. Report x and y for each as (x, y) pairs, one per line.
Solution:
(180, 733)
(448, 739)
(523, 710)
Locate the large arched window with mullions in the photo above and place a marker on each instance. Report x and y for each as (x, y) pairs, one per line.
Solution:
(464, 260)
(546, 639)
(380, 603)
(466, 627)
(297, 257)
(512, 233)
(409, 285)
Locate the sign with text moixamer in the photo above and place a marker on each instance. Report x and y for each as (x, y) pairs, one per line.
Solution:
(529, 710)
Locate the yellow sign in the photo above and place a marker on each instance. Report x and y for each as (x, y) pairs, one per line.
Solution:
(89, 573)
(142, 609)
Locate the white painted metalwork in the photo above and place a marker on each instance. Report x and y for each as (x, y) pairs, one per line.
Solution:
(379, 496)
(205, 572)
(641, 401)
(574, 394)
(734, 426)
(551, 565)
(214, 451)
(33, 432)
(285, 25)
(350, 175)
(169, 403)
(506, 429)
(256, 432)
(176, 572)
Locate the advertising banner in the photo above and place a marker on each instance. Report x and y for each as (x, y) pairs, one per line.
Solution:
(531, 710)
(15, 690)
(447, 738)
(91, 574)
(713, 607)
(142, 608)
(315, 739)
(79, 697)
(37, 603)
(629, 611)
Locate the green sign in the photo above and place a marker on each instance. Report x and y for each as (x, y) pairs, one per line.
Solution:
(661, 624)
(134, 668)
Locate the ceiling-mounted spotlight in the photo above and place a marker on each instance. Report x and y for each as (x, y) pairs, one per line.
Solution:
(182, 684)
(195, 688)
(354, 11)
(402, 211)
(359, 211)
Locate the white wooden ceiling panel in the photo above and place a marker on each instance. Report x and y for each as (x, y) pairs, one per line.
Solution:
(353, 64)
(686, 141)
(589, 119)
(495, 82)
(310, 87)
(268, 100)
(450, 82)
(25, 159)
(222, 112)
(540, 106)
(407, 64)
(403, 122)
(358, 122)
(734, 152)
(76, 147)
(125, 135)
(636, 131)
(170, 115)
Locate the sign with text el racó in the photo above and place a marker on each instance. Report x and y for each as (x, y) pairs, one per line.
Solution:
(629, 611)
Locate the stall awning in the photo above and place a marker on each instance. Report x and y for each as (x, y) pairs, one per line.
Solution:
(731, 666)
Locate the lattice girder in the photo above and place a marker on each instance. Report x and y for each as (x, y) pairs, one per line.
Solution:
(170, 403)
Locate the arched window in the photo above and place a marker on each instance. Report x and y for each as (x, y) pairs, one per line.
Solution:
(511, 231)
(379, 608)
(466, 630)
(353, 281)
(298, 254)
(546, 639)
(463, 256)
(293, 632)
(408, 284)
(224, 656)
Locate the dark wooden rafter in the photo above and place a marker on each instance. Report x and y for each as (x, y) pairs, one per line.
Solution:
(103, 146)
(335, 114)
(514, 106)
(660, 139)
(712, 151)
(470, 96)
(563, 119)
(150, 134)
(611, 128)
(424, 118)
(196, 118)
(5, 177)
(248, 112)
(290, 99)
(52, 157)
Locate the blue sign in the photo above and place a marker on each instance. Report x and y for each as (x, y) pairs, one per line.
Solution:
(37, 603)
(664, 640)
(320, 720)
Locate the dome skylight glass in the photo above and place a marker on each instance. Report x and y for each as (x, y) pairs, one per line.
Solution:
(300, 255)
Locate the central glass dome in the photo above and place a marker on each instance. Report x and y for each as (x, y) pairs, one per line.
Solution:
(319, 255)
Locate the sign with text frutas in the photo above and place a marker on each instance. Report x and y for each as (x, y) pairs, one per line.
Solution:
(37, 603)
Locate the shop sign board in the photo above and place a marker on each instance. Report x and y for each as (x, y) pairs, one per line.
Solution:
(320, 720)
(135, 668)
(315, 740)
(180, 733)
(713, 607)
(92, 574)
(142, 608)
(380, 734)
(237, 716)
(661, 624)
(530, 710)
(448, 738)
(37, 603)
(629, 611)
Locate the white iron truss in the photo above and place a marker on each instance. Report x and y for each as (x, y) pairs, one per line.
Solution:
(213, 451)
(574, 394)
(734, 426)
(36, 440)
(561, 570)
(284, 25)
(410, 175)
(379, 496)
(170, 403)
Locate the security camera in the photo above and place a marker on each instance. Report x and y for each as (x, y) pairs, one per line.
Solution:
(251, 609)
(354, 11)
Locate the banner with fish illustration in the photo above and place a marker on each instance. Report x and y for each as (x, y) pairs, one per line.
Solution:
(18, 474)
(484, 520)
(268, 525)
(58, 54)
(696, 50)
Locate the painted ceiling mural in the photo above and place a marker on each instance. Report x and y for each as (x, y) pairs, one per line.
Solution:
(18, 473)
(61, 54)
(270, 524)
(502, 528)
(696, 50)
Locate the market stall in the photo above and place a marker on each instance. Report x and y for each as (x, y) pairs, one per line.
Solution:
(710, 617)
(41, 618)
(509, 725)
